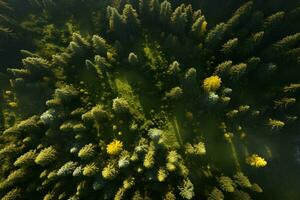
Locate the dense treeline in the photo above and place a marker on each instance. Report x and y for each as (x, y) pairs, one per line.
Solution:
(144, 99)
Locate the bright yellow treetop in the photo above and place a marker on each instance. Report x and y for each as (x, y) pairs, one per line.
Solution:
(212, 83)
(115, 147)
(256, 161)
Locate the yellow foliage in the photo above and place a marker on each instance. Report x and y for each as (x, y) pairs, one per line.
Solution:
(115, 147)
(256, 161)
(203, 27)
(276, 123)
(162, 175)
(212, 83)
(13, 104)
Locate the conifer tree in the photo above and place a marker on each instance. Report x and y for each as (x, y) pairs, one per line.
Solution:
(165, 12)
(273, 21)
(46, 156)
(230, 46)
(132, 59)
(116, 21)
(179, 19)
(131, 19)
(199, 27)
(144, 8)
(215, 36)
(87, 152)
(154, 9)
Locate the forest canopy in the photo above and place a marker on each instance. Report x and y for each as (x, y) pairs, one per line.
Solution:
(149, 99)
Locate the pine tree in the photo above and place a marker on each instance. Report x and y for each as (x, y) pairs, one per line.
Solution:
(37, 67)
(241, 195)
(99, 113)
(154, 9)
(144, 8)
(109, 172)
(120, 105)
(288, 42)
(131, 19)
(186, 189)
(237, 71)
(116, 21)
(242, 180)
(239, 16)
(90, 170)
(215, 36)
(253, 42)
(46, 156)
(15, 177)
(67, 169)
(13, 194)
(175, 93)
(165, 12)
(87, 152)
(230, 46)
(99, 44)
(26, 159)
(226, 184)
(273, 22)
(216, 194)
(132, 59)
(188, 9)
(149, 157)
(179, 19)
(199, 27)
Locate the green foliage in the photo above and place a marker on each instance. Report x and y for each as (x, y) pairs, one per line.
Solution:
(87, 152)
(144, 7)
(165, 12)
(67, 169)
(36, 66)
(132, 59)
(109, 171)
(236, 71)
(154, 8)
(15, 177)
(99, 44)
(90, 170)
(26, 159)
(230, 46)
(105, 99)
(120, 105)
(175, 93)
(149, 159)
(131, 18)
(115, 20)
(99, 113)
(170, 196)
(187, 189)
(196, 149)
(242, 180)
(241, 195)
(13, 194)
(174, 68)
(46, 156)
(65, 93)
(226, 184)
(292, 87)
(287, 42)
(216, 194)
(273, 21)
(179, 19)
(199, 27)
(240, 15)
(191, 75)
(215, 35)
